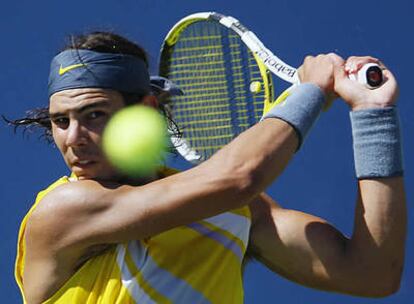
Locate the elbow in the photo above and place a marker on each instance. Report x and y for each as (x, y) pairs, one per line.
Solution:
(372, 290)
(381, 292)
(390, 285)
(380, 285)
(389, 280)
(391, 291)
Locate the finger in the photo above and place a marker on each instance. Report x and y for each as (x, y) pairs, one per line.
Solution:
(337, 60)
(389, 79)
(382, 65)
(354, 63)
(387, 73)
(307, 59)
(366, 58)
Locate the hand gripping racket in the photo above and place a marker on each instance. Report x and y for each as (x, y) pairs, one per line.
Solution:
(225, 72)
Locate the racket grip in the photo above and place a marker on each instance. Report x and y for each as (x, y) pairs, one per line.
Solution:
(370, 75)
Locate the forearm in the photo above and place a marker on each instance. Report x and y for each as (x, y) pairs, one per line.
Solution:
(380, 222)
(259, 155)
(229, 180)
(370, 262)
(312, 252)
(377, 244)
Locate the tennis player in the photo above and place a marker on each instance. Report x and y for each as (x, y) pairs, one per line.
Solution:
(97, 237)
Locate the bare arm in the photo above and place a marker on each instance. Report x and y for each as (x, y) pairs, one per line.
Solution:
(312, 252)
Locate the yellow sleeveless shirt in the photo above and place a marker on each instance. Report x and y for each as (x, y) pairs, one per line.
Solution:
(196, 263)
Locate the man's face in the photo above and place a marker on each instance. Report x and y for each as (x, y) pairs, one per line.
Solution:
(78, 118)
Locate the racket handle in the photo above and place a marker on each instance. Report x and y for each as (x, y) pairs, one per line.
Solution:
(370, 75)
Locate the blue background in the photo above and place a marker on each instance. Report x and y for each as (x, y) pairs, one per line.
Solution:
(320, 179)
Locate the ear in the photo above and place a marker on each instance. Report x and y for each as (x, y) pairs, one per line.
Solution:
(150, 101)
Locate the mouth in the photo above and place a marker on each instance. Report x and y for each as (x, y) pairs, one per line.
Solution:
(83, 164)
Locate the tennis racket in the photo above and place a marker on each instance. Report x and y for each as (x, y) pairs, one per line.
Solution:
(225, 72)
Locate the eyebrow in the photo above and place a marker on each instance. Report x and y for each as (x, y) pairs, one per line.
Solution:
(103, 103)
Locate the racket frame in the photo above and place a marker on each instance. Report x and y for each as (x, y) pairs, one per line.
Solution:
(267, 62)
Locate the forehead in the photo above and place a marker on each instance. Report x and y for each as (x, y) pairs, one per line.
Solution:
(74, 99)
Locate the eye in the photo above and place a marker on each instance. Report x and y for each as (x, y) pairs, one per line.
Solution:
(96, 114)
(61, 122)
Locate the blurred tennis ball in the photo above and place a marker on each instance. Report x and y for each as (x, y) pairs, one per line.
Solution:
(135, 140)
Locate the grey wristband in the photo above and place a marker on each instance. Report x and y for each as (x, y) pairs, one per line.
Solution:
(300, 109)
(377, 143)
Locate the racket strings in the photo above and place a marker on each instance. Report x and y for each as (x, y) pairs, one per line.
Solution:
(215, 70)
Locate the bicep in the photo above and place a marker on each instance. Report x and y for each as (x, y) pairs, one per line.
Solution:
(88, 213)
(296, 245)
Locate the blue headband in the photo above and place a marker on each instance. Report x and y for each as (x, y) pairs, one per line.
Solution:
(72, 69)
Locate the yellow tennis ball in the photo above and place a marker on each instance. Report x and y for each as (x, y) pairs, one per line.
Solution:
(135, 140)
(255, 87)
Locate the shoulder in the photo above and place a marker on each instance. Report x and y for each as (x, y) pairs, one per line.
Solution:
(59, 207)
(73, 198)
(67, 196)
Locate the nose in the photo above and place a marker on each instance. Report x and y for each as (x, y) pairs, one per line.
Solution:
(76, 134)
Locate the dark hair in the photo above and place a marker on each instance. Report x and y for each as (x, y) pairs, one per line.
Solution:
(103, 42)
